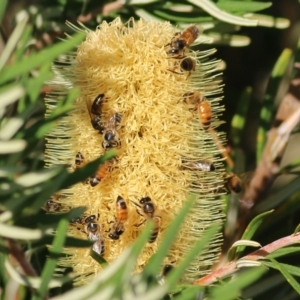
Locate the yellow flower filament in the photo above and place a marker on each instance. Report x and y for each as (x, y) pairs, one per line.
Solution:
(128, 63)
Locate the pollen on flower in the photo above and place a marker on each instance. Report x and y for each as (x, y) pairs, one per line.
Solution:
(144, 109)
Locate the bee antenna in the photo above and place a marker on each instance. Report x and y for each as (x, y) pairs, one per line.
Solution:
(136, 204)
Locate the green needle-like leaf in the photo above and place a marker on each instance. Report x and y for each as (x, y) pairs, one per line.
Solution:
(38, 59)
(196, 249)
(284, 252)
(48, 271)
(249, 232)
(243, 6)
(156, 260)
(284, 271)
(293, 270)
(267, 110)
(231, 290)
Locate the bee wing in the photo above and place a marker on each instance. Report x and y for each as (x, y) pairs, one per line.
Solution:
(246, 178)
(240, 181)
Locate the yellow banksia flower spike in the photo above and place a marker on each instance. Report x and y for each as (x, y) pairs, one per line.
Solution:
(165, 151)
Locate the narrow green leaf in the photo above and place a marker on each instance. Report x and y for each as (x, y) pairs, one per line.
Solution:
(190, 292)
(24, 42)
(156, 260)
(214, 11)
(290, 279)
(86, 171)
(242, 6)
(146, 15)
(266, 114)
(250, 231)
(10, 128)
(34, 282)
(284, 252)
(199, 246)
(12, 42)
(239, 120)
(98, 258)
(191, 17)
(48, 271)
(38, 59)
(19, 233)
(291, 269)
(33, 178)
(232, 289)
(11, 94)
(12, 146)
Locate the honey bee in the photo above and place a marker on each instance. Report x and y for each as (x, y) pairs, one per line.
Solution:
(167, 269)
(99, 175)
(120, 218)
(79, 160)
(233, 183)
(110, 134)
(183, 40)
(202, 106)
(200, 165)
(95, 112)
(147, 210)
(52, 206)
(90, 226)
(186, 64)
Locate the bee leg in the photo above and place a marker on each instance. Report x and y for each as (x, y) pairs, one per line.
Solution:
(179, 73)
(136, 204)
(111, 222)
(138, 225)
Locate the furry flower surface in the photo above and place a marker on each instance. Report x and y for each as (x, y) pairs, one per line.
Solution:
(163, 147)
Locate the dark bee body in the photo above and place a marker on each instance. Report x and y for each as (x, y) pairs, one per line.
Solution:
(202, 105)
(79, 160)
(99, 175)
(95, 112)
(167, 269)
(233, 183)
(183, 40)
(90, 226)
(93, 233)
(200, 165)
(187, 64)
(52, 206)
(110, 135)
(147, 209)
(120, 218)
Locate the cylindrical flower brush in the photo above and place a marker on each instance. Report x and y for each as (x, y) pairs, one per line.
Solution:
(145, 93)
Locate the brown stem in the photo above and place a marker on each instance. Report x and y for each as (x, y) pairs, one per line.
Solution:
(261, 253)
(18, 255)
(267, 169)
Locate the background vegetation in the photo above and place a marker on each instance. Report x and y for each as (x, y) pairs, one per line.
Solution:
(260, 80)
